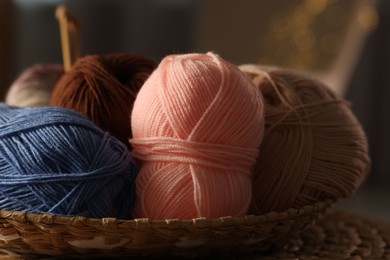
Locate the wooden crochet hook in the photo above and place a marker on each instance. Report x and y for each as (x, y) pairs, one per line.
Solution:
(69, 30)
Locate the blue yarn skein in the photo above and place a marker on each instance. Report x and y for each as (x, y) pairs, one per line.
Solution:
(53, 160)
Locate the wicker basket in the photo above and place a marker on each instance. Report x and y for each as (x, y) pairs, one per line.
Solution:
(81, 237)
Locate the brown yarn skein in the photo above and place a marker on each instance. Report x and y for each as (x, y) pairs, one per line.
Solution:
(313, 149)
(103, 88)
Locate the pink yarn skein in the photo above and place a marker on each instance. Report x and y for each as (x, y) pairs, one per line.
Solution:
(197, 124)
(33, 88)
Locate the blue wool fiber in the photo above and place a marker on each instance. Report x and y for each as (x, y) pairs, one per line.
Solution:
(53, 160)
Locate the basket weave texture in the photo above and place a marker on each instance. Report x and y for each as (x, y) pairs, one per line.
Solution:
(337, 235)
(81, 237)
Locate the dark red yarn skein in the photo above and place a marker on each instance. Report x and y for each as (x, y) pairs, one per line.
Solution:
(103, 88)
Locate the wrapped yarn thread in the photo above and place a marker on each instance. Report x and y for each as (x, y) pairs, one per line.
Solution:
(33, 88)
(197, 124)
(103, 88)
(314, 148)
(54, 160)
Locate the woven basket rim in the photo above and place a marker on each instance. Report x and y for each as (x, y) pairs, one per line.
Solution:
(50, 234)
(48, 218)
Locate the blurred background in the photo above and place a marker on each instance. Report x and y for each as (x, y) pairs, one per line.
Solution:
(344, 43)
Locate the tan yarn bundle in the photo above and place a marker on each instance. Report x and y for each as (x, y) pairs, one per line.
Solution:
(314, 148)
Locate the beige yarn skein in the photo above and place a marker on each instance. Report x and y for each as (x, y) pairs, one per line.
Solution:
(314, 147)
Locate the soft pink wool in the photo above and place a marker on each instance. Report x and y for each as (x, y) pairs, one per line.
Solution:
(33, 88)
(197, 124)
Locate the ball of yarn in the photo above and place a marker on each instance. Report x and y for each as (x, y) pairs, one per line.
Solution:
(197, 124)
(53, 160)
(314, 148)
(103, 88)
(34, 86)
